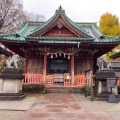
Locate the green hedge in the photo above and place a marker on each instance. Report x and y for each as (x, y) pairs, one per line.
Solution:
(33, 88)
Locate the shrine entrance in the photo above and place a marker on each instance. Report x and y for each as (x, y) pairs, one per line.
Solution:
(58, 67)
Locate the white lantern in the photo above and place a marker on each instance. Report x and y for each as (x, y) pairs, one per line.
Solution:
(68, 56)
(64, 54)
(51, 56)
(56, 54)
(59, 53)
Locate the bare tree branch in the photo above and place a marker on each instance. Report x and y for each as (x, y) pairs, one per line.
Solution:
(10, 12)
(35, 17)
(12, 15)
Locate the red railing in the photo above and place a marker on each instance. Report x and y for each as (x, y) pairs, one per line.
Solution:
(49, 80)
(67, 80)
(81, 81)
(33, 79)
(38, 79)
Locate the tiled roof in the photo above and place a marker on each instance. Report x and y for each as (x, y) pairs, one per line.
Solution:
(52, 39)
(90, 32)
(93, 30)
(11, 37)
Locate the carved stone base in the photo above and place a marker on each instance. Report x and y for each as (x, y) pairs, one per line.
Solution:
(12, 73)
(12, 96)
(11, 84)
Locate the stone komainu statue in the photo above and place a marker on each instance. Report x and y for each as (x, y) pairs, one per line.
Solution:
(102, 64)
(13, 62)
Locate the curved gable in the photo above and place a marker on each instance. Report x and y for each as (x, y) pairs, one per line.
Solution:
(60, 25)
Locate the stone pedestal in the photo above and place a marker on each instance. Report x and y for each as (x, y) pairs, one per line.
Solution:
(11, 84)
(102, 87)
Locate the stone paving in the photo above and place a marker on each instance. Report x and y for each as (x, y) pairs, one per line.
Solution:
(68, 106)
(59, 106)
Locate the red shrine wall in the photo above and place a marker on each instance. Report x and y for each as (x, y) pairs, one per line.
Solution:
(35, 66)
(81, 66)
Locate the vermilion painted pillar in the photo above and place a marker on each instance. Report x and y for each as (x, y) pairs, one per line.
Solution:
(72, 69)
(44, 67)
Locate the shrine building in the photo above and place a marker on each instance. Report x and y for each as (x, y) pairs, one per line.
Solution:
(59, 50)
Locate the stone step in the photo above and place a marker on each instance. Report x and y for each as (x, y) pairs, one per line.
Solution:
(62, 89)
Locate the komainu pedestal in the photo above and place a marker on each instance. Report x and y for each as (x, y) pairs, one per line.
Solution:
(106, 85)
(11, 84)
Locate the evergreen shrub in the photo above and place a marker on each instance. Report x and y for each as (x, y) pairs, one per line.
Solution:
(33, 88)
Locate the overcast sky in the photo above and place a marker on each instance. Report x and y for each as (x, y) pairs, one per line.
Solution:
(76, 10)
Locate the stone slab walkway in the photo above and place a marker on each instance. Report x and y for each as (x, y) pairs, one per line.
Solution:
(59, 106)
(68, 106)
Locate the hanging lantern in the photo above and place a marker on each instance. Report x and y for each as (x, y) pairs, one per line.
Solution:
(48, 53)
(68, 56)
(51, 56)
(56, 54)
(78, 45)
(64, 54)
(59, 53)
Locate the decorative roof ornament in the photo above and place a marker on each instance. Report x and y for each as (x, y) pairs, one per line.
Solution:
(59, 24)
(60, 9)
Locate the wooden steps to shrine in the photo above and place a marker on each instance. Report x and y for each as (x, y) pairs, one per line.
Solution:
(62, 89)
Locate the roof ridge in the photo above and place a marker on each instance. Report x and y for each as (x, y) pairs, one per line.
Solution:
(106, 36)
(86, 22)
(2, 35)
(22, 30)
(96, 31)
